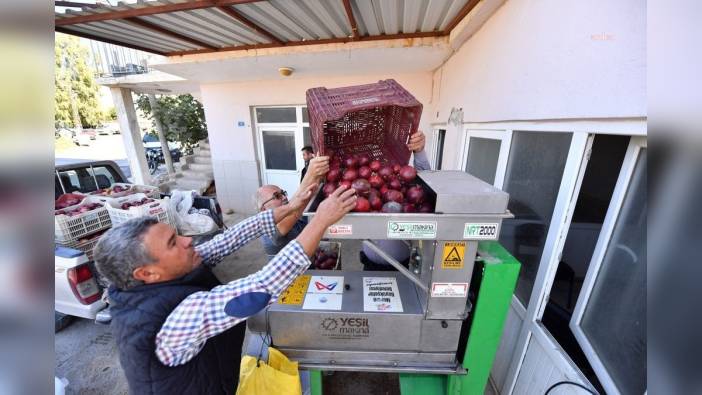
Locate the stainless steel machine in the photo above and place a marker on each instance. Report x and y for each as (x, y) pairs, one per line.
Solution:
(408, 320)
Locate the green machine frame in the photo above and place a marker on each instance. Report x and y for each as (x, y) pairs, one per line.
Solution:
(499, 278)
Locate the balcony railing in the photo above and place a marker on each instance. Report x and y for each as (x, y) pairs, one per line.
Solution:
(116, 61)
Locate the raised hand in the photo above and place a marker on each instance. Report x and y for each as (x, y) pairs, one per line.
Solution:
(334, 207)
(302, 197)
(417, 141)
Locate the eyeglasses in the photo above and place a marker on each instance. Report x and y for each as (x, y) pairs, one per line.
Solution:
(276, 196)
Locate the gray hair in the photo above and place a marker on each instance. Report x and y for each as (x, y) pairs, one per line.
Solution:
(121, 250)
(260, 197)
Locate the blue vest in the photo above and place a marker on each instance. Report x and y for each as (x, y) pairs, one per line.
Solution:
(137, 316)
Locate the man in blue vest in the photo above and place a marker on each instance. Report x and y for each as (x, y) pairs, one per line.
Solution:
(178, 330)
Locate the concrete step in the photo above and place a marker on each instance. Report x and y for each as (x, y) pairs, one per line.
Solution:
(201, 159)
(202, 167)
(204, 144)
(187, 159)
(190, 184)
(201, 151)
(197, 174)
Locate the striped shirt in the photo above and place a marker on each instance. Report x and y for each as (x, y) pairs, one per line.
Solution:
(201, 315)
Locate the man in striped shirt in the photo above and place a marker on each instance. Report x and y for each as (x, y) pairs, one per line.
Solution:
(172, 319)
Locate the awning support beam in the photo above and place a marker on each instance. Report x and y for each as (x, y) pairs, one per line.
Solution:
(159, 29)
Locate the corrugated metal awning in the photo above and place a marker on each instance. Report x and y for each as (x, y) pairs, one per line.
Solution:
(180, 27)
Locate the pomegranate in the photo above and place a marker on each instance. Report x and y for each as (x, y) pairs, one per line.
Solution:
(392, 207)
(426, 207)
(361, 186)
(345, 183)
(394, 196)
(408, 173)
(364, 172)
(375, 201)
(383, 190)
(396, 169)
(415, 195)
(333, 175)
(375, 165)
(350, 175)
(350, 162)
(376, 181)
(362, 205)
(385, 172)
(395, 184)
(409, 208)
(374, 192)
(363, 160)
(329, 188)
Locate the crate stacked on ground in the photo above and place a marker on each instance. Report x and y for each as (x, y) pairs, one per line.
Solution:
(373, 119)
(139, 205)
(79, 226)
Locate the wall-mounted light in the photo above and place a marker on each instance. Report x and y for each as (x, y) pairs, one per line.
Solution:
(285, 71)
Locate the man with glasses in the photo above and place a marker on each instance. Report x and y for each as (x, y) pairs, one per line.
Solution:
(272, 196)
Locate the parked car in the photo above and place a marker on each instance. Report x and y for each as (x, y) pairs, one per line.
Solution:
(154, 154)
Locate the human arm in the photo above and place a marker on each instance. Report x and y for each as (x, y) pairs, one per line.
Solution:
(317, 168)
(416, 144)
(213, 251)
(202, 315)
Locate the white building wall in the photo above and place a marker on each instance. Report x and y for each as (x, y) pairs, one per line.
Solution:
(233, 149)
(545, 60)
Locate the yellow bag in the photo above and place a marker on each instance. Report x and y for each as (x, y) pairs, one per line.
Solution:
(279, 376)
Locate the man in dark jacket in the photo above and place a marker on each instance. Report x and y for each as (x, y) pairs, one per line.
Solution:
(174, 324)
(307, 155)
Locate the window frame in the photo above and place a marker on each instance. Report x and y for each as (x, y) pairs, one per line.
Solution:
(636, 145)
(505, 138)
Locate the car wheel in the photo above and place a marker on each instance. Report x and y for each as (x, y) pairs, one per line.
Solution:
(61, 321)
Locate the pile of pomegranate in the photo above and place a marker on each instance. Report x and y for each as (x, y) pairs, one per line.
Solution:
(143, 201)
(113, 190)
(80, 210)
(324, 260)
(67, 200)
(381, 186)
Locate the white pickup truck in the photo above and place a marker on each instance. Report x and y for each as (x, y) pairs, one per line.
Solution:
(78, 292)
(78, 288)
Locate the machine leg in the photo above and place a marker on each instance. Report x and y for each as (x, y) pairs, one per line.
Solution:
(316, 382)
(499, 279)
(500, 272)
(422, 384)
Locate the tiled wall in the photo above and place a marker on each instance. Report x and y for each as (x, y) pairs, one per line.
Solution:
(236, 182)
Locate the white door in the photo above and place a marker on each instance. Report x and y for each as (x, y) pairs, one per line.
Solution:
(281, 132)
(281, 156)
(609, 321)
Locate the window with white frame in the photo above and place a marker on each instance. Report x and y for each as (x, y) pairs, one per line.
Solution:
(532, 179)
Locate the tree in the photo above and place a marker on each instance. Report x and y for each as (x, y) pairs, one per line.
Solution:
(75, 87)
(182, 117)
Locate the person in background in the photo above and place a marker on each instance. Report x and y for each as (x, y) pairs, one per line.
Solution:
(177, 328)
(398, 249)
(271, 196)
(307, 155)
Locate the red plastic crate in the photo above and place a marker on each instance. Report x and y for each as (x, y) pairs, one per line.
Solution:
(373, 119)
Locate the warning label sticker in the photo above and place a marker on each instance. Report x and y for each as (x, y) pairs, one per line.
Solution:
(340, 229)
(453, 256)
(295, 293)
(449, 290)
